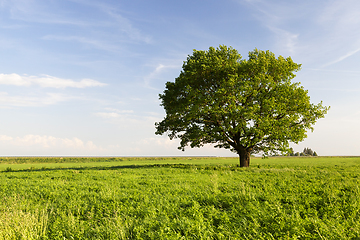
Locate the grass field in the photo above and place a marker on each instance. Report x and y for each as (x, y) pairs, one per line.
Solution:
(180, 198)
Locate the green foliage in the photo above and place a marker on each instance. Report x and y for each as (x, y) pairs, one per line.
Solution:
(248, 106)
(282, 198)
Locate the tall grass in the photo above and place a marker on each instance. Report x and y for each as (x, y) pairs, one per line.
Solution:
(18, 223)
(182, 201)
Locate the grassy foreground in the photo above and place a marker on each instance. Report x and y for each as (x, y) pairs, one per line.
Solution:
(179, 198)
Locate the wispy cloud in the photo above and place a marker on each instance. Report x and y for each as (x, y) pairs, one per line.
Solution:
(41, 12)
(157, 74)
(7, 100)
(340, 21)
(152, 75)
(341, 58)
(319, 32)
(46, 81)
(118, 21)
(125, 26)
(286, 39)
(87, 41)
(274, 16)
(342, 15)
(104, 18)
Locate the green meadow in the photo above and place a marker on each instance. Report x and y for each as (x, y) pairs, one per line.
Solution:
(179, 198)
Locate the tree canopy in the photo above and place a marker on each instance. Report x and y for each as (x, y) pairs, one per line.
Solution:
(247, 106)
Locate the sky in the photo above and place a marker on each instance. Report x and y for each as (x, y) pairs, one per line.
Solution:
(83, 77)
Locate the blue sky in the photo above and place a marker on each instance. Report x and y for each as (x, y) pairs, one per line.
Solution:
(82, 77)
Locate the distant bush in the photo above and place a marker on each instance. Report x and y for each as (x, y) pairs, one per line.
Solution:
(305, 152)
(8, 169)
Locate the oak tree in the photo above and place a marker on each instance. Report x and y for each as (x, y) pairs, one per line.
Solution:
(247, 106)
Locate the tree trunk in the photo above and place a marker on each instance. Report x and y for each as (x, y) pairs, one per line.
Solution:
(244, 156)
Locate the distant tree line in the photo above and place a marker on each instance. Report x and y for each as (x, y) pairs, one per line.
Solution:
(305, 152)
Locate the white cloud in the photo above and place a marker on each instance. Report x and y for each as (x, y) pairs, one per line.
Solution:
(108, 114)
(48, 142)
(46, 81)
(114, 113)
(161, 141)
(5, 138)
(30, 101)
(13, 79)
